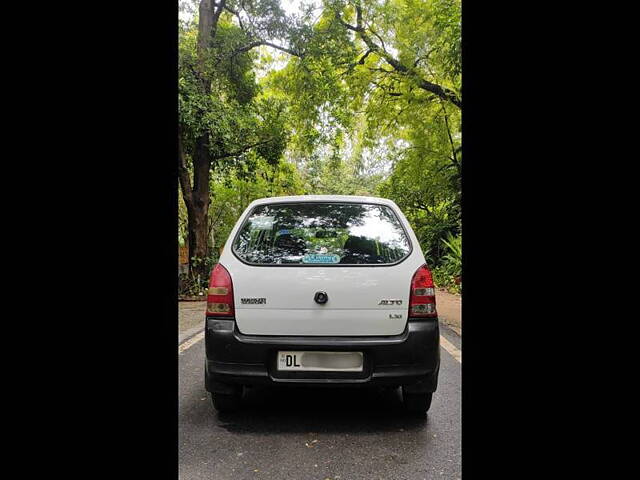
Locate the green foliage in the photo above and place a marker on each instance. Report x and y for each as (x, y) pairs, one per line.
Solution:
(233, 113)
(443, 277)
(182, 220)
(335, 118)
(190, 284)
(233, 190)
(454, 256)
(448, 274)
(361, 127)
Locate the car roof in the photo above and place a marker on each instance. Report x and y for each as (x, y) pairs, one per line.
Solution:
(323, 198)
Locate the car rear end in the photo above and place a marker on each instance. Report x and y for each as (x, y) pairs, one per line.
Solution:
(322, 290)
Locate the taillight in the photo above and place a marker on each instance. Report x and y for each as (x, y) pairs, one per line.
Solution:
(422, 298)
(220, 295)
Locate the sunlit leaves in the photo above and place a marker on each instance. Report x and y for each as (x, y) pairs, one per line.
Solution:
(336, 117)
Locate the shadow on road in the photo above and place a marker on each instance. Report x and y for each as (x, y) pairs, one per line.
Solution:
(330, 410)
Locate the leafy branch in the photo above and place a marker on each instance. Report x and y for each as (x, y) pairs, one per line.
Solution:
(441, 92)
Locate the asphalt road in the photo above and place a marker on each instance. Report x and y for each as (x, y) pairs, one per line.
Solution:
(337, 434)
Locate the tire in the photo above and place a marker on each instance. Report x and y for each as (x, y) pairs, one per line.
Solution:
(225, 402)
(418, 403)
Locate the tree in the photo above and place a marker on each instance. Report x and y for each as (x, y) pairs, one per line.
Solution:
(368, 102)
(378, 84)
(219, 121)
(196, 194)
(374, 42)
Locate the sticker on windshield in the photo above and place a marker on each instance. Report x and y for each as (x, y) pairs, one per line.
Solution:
(321, 258)
(262, 223)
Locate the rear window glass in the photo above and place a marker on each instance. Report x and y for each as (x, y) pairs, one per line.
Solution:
(321, 233)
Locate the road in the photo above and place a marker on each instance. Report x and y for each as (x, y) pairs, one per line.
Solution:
(306, 433)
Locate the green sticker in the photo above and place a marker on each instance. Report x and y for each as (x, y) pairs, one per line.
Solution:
(321, 258)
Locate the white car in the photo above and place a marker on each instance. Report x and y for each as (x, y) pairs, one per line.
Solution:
(322, 290)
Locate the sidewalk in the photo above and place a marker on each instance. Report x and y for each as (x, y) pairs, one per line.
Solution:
(190, 319)
(449, 308)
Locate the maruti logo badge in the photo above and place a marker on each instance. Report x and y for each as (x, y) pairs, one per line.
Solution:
(390, 302)
(253, 301)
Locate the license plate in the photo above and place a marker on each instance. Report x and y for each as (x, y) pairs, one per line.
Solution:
(321, 361)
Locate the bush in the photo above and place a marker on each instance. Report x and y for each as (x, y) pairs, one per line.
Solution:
(449, 274)
(454, 256)
(444, 277)
(190, 284)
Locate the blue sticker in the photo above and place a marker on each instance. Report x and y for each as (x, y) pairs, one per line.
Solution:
(284, 232)
(321, 258)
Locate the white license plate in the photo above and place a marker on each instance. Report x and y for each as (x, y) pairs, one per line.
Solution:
(321, 361)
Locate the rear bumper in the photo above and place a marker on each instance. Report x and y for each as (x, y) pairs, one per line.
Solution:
(411, 359)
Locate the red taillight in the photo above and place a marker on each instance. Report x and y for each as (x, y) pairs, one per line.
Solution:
(422, 297)
(220, 295)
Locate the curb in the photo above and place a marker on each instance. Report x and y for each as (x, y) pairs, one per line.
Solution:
(457, 330)
(192, 332)
(454, 328)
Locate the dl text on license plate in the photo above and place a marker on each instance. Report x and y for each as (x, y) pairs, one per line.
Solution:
(320, 361)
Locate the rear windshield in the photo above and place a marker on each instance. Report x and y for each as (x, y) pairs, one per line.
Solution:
(321, 233)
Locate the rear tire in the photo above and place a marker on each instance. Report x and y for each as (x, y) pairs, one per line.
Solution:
(417, 403)
(225, 402)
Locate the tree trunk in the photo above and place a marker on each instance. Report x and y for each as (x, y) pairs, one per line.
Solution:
(205, 27)
(199, 209)
(197, 197)
(198, 242)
